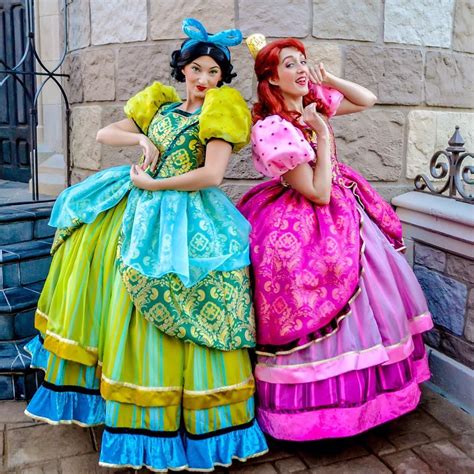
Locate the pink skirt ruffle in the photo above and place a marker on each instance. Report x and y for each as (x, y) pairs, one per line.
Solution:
(365, 373)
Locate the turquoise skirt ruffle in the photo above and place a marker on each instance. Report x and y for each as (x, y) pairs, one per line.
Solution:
(136, 448)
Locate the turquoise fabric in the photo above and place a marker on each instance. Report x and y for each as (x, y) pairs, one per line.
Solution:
(201, 454)
(84, 409)
(86, 200)
(39, 355)
(187, 233)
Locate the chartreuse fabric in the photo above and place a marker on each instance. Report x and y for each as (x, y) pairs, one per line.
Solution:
(146, 313)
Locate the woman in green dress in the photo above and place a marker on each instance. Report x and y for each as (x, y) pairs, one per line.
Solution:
(146, 317)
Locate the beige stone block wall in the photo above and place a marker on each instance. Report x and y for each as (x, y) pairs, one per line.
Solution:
(429, 131)
(416, 56)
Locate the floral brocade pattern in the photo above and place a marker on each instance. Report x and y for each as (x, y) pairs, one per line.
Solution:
(183, 256)
(217, 312)
(305, 257)
(305, 260)
(176, 136)
(192, 302)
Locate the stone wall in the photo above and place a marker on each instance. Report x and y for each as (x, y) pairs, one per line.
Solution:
(439, 237)
(448, 283)
(416, 56)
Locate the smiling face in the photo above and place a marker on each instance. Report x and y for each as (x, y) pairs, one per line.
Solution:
(292, 72)
(201, 74)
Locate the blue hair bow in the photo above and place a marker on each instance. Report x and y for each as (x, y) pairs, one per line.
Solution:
(198, 34)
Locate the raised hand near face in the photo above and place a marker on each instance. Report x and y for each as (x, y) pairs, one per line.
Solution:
(315, 120)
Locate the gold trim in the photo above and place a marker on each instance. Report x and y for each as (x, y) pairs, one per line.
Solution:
(40, 313)
(69, 350)
(41, 321)
(140, 387)
(94, 350)
(223, 396)
(248, 381)
(316, 363)
(140, 396)
(126, 392)
(422, 315)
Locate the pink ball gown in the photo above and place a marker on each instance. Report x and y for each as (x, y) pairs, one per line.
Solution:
(339, 310)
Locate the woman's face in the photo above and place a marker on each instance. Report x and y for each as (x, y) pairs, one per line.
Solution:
(293, 73)
(201, 74)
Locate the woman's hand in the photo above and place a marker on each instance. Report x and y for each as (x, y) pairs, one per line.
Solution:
(315, 120)
(319, 75)
(150, 152)
(142, 180)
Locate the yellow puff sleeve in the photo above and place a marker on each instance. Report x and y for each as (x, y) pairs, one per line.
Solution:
(225, 115)
(142, 107)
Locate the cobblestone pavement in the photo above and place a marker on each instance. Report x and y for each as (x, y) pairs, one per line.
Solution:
(436, 438)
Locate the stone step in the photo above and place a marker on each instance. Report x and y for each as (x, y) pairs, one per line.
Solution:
(24, 263)
(17, 380)
(17, 311)
(19, 299)
(20, 223)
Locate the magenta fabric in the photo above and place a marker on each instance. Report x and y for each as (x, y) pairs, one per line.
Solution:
(388, 311)
(305, 257)
(327, 98)
(339, 311)
(364, 374)
(278, 146)
(380, 212)
(340, 422)
(349, 389)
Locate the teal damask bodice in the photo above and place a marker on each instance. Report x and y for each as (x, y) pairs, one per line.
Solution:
(176, 135)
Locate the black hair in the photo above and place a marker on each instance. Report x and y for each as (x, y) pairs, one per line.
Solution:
(180, 58)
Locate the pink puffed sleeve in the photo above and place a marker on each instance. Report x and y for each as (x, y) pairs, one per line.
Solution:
(327, 98)
(278, 146)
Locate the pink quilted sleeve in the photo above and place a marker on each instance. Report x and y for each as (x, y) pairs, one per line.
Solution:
(278, 146)
(327, 98)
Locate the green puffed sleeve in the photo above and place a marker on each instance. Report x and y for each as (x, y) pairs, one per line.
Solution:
(142, 107)
(225, 115)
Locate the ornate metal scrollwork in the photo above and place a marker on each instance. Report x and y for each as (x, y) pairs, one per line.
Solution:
(451, 172)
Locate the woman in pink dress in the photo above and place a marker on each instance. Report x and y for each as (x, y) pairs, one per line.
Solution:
(339, 311)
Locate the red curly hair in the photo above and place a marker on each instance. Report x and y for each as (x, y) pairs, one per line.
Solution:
(270, 98)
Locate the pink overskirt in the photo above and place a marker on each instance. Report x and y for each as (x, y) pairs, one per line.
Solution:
(366, 371)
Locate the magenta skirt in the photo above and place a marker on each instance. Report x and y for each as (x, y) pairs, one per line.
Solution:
(367, 372)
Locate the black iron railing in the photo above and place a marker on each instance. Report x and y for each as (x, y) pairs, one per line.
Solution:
(18, 73)
(451, 170)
